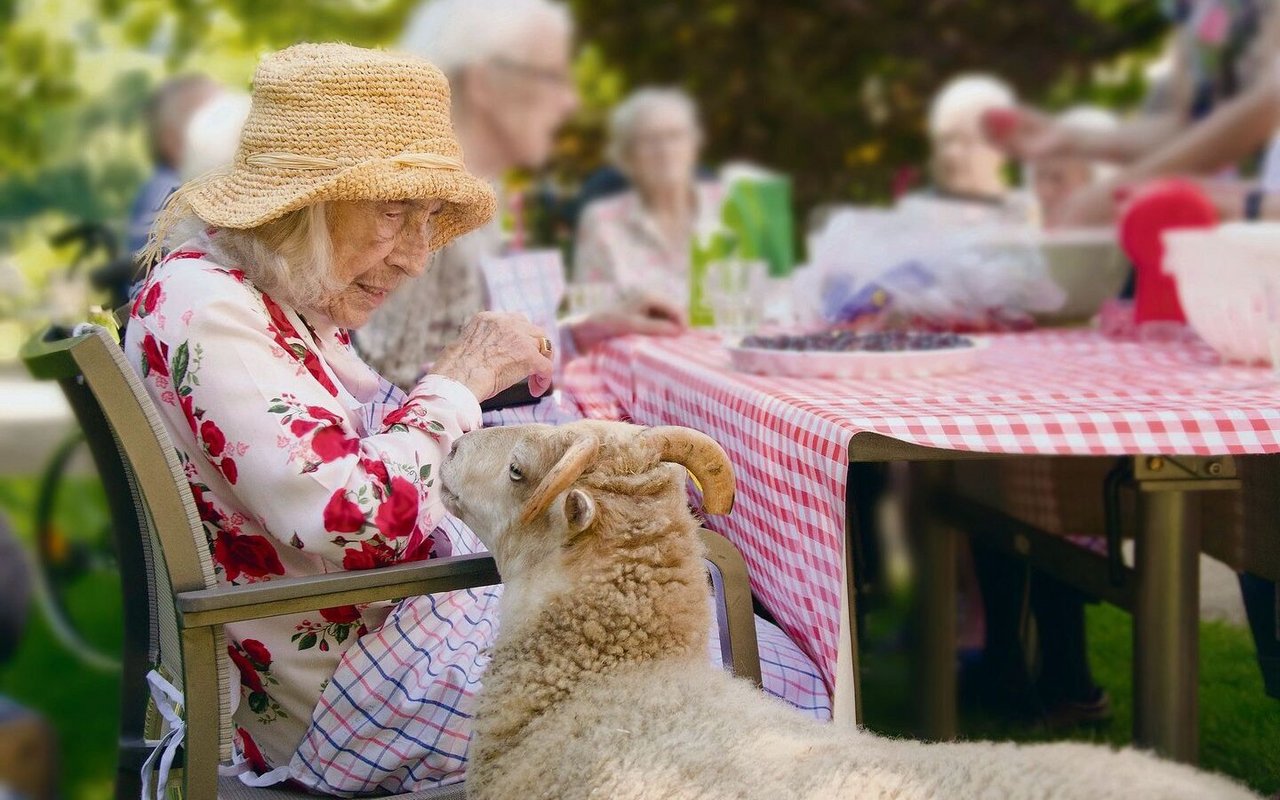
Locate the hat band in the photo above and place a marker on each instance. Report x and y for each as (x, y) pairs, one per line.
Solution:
(302, 161)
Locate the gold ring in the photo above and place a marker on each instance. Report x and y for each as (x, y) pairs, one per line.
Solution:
(544, 346)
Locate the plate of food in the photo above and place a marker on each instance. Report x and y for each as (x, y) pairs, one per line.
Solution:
(848, 354)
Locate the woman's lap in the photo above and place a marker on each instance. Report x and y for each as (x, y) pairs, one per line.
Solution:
(396, 715)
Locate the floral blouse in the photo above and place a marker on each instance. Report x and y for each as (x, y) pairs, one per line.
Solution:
(297, 465)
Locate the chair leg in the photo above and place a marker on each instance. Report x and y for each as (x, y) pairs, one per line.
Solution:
(201, 694)
(737, 592)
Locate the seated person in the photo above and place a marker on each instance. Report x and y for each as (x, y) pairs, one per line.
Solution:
(1054, 179)
(167, 113)
(640, 240)
(969, 180)
(1219, 108)
(302, 460)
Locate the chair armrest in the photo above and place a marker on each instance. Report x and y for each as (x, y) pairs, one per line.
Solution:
(207, 607)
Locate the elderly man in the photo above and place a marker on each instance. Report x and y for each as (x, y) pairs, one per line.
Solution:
(508, 67)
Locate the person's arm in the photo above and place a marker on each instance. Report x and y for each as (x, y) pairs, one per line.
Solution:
(1040, 136)
(1233, 132)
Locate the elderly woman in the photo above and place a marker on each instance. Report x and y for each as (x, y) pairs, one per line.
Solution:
(301, 459)
(962, 163)
(639, 240)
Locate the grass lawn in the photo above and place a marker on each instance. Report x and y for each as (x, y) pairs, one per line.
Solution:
(1240, 726)
(81, 702)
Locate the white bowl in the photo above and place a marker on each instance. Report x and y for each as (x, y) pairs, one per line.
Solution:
(1229, 286)
(1088, 265)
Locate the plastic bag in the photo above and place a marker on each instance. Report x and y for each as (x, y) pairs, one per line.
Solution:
(878, 268)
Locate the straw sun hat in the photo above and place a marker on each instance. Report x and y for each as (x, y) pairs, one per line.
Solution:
(335, 122)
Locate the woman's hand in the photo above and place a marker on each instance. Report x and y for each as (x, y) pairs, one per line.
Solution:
(638, 314)
(496, 350)
(1027, 134)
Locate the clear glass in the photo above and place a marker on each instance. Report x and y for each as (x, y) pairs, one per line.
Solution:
(735, 291)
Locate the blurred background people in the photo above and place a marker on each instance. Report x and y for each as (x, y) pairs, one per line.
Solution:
(963, 165)
(508, 68)
(639, 240)
(1055, 178)
(167, 113)
(213, 134)
(1222, 105)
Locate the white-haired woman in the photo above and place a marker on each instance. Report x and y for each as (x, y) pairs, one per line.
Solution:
(301, 459)
(639, 240)
(963, 164)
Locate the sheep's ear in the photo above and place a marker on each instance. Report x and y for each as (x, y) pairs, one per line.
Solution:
(579, 510)
(567, 470)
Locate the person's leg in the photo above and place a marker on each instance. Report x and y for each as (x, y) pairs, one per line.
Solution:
(1002, 678)
(1262, 605)
(1065, 683)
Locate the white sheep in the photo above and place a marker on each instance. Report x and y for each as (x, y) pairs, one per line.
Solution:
(600, 686)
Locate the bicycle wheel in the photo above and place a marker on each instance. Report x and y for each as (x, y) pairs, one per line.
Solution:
(76, 560)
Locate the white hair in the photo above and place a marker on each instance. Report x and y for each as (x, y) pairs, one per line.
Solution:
(290, 258)
(213, 134)
(1092, 118)
(627, 115)
(454, 34)
(964, 97)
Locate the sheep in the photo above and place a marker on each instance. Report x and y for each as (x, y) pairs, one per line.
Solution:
(599, 685)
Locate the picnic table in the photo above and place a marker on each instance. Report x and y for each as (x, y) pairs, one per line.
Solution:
(1172, 408)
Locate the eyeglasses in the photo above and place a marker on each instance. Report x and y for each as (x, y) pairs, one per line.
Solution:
(560, 78)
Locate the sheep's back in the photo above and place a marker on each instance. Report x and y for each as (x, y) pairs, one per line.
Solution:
(691, 732)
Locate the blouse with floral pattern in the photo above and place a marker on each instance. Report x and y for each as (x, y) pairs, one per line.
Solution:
(296, 465)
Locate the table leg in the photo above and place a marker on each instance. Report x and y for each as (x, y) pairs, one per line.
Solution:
(846, 700)
(1166, 627)
(934, 544)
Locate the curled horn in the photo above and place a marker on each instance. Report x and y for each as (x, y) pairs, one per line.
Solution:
(567, 470)
(704, 458)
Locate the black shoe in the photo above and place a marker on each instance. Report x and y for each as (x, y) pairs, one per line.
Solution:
(1069, 713)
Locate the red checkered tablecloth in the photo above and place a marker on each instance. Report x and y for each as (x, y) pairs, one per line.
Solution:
(1045, 393)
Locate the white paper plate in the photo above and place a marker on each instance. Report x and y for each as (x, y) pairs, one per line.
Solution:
(858, 364)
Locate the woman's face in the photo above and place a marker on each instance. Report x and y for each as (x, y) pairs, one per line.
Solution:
(376, 246)
(964, 162)
(663, 148)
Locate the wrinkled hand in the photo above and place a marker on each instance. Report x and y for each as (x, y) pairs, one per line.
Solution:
(637, 314)
(496, 350)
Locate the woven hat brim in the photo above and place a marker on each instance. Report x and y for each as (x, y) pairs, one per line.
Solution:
(242, 198)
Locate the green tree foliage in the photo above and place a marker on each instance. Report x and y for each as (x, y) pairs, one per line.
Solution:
(835, 91)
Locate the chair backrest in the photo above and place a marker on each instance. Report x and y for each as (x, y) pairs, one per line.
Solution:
(154, 519)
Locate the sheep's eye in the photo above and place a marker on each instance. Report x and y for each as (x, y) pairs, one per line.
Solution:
(516, 474)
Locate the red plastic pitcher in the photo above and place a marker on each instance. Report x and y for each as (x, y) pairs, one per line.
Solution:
(1156, 207)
